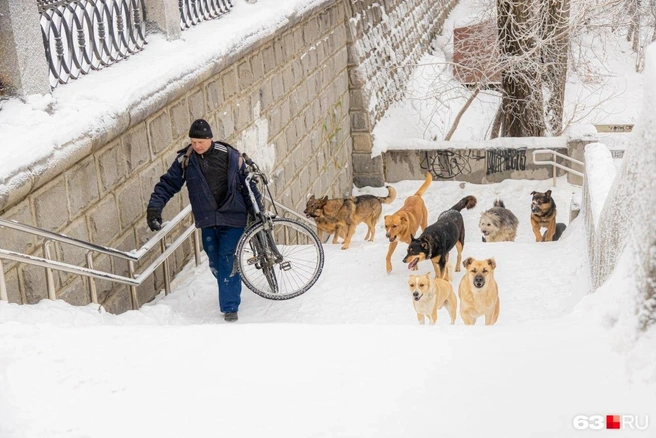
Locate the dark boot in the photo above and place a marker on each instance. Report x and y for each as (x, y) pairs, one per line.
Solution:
(230, 316)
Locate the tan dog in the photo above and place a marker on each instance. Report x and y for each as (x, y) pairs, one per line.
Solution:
(401, 225)
(543, 215)
(341, 216)
(429, 295)
(478, 292)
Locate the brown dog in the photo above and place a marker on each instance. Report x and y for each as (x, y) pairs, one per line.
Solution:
(478, 292)
(341, 216)
(429, 295)
(402, 224)
(543, 214)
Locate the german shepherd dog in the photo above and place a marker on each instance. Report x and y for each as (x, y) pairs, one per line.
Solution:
(498, 224)
(341, 216)
(439, 238)
(403, 223)
(543, 215)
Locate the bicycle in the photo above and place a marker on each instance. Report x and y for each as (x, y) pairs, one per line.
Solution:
(277, 258)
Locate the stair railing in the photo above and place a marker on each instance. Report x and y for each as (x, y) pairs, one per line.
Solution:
(555, 165)
(134, 280)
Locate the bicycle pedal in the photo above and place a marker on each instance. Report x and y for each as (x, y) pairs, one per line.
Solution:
(285, 266)
(254, 261)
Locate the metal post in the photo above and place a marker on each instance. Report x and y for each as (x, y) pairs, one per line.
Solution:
(554, 173)
(92, 281)
(133, 289)
(167, 273)
(197, 246)
(3, 286)
(50, 279)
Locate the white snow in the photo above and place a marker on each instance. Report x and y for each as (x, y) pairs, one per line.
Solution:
(347, 358)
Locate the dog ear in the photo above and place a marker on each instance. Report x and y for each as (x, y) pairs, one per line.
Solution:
(468, 261)
(324, 199)
(412, 238)
(492, 263)
(548, 193)
(533, 192)
(404, 218)
(424, 245)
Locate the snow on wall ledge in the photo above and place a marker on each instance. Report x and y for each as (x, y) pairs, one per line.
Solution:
(627, 223)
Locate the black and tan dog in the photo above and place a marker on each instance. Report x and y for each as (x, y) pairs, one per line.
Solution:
(543, 215)
(340, 217)
(439, 238)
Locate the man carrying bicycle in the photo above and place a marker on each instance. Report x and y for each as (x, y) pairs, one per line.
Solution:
(215, 178)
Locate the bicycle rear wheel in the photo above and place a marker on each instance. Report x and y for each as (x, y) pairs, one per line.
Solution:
(280, 263)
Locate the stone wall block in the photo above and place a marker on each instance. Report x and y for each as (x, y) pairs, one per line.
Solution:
(197, 108)
(112, 166)
(131, 204)
(245, 75)
(135, 145)
(72, 254)
(119, 301)
(180, 118)
(214, 95)
(33, 283)
(225, 124)
(266, 95)
(230, 83)
(104, 221)
(268, 58)
(257, 67)
(75, 293)
(13, 287)
(159, 131)
(51, 205)
(82, 182)
(13, 240)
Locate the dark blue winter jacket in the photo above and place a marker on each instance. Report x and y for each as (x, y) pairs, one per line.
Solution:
(234, 208)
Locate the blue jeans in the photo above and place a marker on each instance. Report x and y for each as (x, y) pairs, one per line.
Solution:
(220, 244)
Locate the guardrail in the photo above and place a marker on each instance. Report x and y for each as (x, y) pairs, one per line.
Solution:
(555, 165)
(134, 280)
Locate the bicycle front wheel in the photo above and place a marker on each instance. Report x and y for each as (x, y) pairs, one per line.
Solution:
(280, 263)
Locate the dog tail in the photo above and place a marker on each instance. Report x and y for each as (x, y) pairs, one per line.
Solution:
(424, 186)
(499, 203)
(467, 202)
(391, 196)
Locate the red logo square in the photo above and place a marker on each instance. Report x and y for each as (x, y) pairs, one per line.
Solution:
(612, 421)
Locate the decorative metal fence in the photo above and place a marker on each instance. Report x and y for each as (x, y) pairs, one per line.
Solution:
(84, 35)
(193, 12)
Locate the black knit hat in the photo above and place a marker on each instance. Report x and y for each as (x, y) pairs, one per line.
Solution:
(200, 129)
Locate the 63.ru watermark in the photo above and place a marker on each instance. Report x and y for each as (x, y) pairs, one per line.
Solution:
(602, 422)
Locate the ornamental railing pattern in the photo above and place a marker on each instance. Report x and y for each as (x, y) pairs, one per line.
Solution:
(84, 35)
(193, 12)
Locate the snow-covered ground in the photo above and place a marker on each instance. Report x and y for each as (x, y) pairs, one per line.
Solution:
(347, 358)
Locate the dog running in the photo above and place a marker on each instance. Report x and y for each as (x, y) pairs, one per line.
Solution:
(543, 215)
(430, 295)
(498, 224)
(439, 238)
(403, 223)
(478, 292)
(340, 217)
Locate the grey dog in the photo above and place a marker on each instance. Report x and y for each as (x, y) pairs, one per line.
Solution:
(498, 224)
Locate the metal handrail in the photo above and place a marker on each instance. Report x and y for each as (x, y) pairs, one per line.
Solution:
(133, 281)
(554, 164)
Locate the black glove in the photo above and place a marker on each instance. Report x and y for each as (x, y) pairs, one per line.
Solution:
(154, 218)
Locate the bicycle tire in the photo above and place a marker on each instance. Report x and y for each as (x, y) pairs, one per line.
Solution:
(300, 267)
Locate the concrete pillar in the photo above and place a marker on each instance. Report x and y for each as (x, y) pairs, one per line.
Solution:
(23, 65)
(577, 138)
(164, 16)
